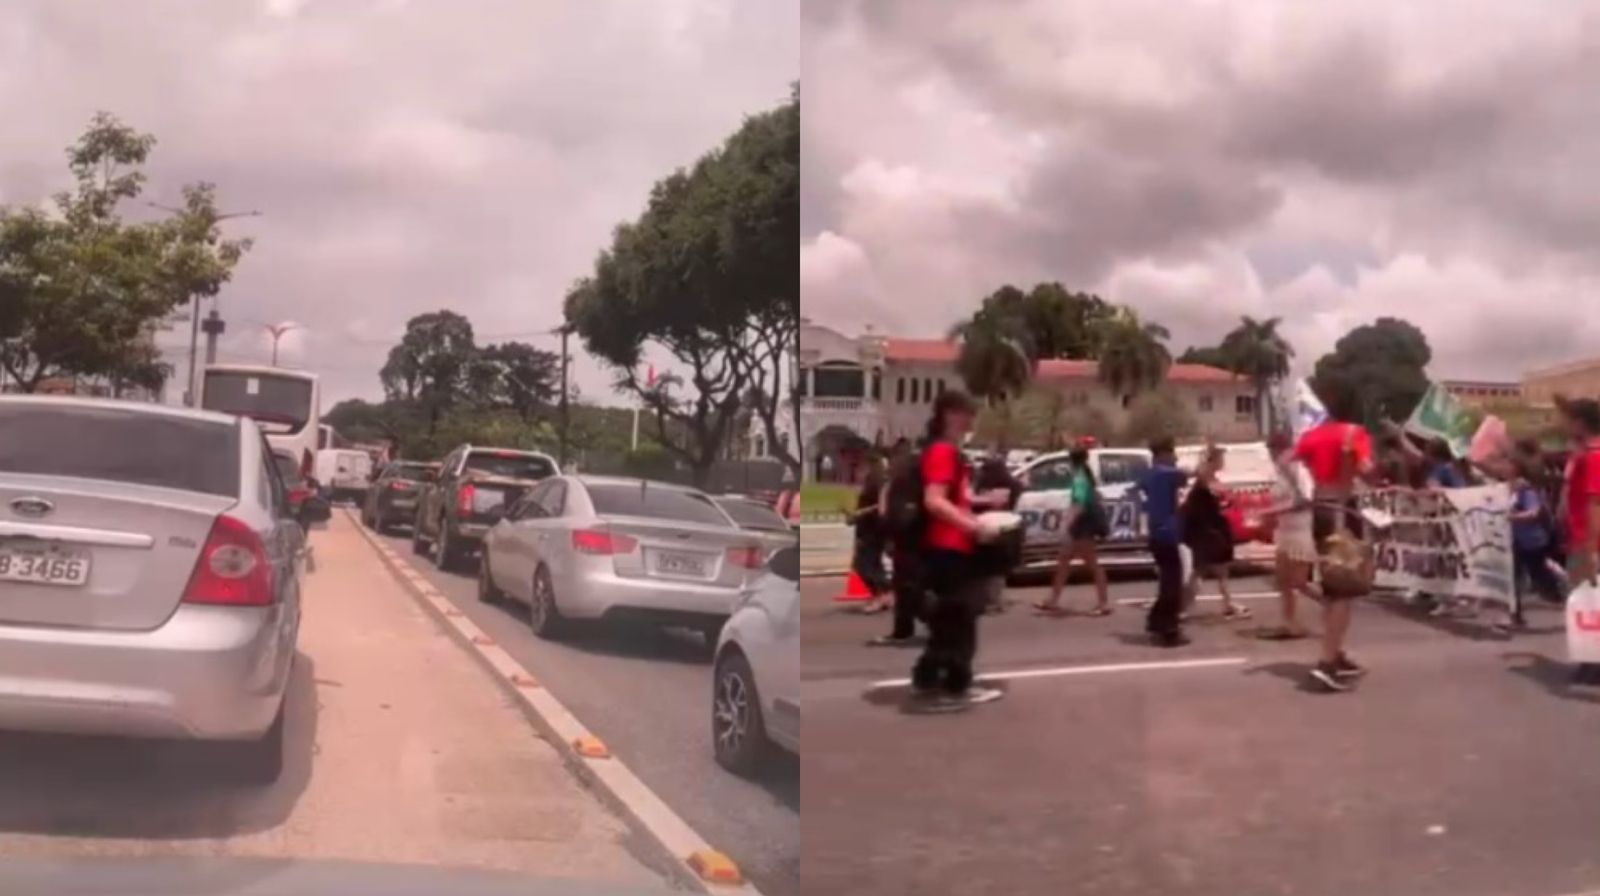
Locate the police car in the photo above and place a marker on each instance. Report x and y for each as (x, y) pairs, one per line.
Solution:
(1046, 500)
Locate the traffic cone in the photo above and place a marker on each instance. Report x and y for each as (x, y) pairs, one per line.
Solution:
(855, 590)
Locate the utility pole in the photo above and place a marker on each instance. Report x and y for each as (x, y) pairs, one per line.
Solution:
(565, 331)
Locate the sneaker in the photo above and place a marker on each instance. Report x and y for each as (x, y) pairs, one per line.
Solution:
(891, 641)
(1345, 667)
(1327, 675)
(978, 694)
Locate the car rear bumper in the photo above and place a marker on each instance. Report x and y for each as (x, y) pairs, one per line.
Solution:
(397, 507)
(208, 673)
(595, 594)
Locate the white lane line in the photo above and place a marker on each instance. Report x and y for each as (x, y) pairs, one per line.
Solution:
(1242, 595)
(1059, 671)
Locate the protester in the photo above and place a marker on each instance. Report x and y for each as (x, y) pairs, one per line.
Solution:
(994, 562)
(867, 518)
(1582, 418)
(1295, 549)
(1158, 488)
(951, 533)
(1085, 528)
(1338, 454)
(1530, 543)
(1207, 533)
(899, 508)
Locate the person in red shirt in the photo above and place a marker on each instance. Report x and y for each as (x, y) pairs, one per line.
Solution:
(1338, 455)
(1581, 493)
(949, 538)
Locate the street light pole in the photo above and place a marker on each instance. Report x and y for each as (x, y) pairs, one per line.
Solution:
(565, 330)
(190, 398)
(277, 331)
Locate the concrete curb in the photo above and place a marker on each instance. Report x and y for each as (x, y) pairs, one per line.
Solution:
(691, 860)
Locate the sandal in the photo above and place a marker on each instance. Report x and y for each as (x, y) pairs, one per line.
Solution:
(1237, 613)
(874, 608)
(1048, 609)
(1100, 611)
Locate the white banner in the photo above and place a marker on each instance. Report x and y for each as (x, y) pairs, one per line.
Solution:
(1451, 542)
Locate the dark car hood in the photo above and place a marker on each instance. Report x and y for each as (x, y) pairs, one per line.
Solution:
(177, 876)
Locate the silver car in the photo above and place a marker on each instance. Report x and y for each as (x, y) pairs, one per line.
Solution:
(590, 547)
(149, 575)
(759, 520)
(755, 690)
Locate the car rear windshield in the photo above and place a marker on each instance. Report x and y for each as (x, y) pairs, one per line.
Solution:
(407, 471)
(750, 515)
(510, 464)
(281, 404)
(120, 446)
(657, 502)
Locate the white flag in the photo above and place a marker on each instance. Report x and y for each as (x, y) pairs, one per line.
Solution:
(1308, 409)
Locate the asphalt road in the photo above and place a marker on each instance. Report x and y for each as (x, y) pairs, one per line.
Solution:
(1463, 765)
(647, 694)
(398, 751)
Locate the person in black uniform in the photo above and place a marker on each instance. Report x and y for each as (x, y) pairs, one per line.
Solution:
(904, 551)
(867, 518)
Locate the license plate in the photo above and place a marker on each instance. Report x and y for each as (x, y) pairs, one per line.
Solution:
(403, 503)
(673, 564)
(43, 567)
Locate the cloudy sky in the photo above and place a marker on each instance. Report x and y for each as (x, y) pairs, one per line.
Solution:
(405, 156)
(1324, 162)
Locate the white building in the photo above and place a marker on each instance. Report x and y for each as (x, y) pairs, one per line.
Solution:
(873, 390)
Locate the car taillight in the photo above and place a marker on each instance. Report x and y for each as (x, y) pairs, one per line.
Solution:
(464, 498)
(747, 556)
(232, 568)
(297, 495)
(601, 542)
(399, 486)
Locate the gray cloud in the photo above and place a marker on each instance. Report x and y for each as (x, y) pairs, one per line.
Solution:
(407, 156)
(1324, 162)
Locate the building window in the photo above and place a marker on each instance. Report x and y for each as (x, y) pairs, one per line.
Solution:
(838, 381)
(941, 387)
(927, 389)
(1244, 405)
(900, 391)
(916, 391)
(1206, 404)
(877, 384)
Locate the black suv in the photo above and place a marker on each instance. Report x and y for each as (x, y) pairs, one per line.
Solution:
(393, 496)
(457, 508)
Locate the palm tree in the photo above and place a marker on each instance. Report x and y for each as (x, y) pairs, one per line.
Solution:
(995, 362)
(1255, 350)
(1133, 354)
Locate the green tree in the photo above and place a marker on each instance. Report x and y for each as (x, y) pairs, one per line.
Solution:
(995, 363)
(1209, 355)
(707, 274)
(431, 364)
(82, 288)
(1065, 324)
(1133, 354)
(1376, 371)
(526, 379)
(1255, 350)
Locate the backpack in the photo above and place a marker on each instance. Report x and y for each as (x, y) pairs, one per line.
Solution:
(904, 516)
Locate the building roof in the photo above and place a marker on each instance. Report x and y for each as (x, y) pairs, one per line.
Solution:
(945, 351)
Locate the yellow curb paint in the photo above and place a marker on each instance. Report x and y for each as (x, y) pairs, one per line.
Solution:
(715, 867)
(590, 747)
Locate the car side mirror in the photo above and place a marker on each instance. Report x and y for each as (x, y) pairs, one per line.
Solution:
(314, 509)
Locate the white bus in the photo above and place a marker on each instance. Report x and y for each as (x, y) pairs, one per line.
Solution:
(286, 404)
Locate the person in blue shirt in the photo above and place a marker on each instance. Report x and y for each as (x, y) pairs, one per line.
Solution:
(1158, 489)
(1530, 542)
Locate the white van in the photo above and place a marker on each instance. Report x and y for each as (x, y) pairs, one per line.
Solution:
(1045, 501)
(344, 473)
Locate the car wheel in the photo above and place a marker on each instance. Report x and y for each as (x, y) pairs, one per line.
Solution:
(487, 592)
(419, 544)
(260, 762)
(544, 617)
(444, 553)
(738, 732)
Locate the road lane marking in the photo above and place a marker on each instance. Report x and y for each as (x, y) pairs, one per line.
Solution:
(1059, 671)
(615, 782)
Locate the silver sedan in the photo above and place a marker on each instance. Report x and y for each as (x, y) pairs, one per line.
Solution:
(592, 547)
(149, 575)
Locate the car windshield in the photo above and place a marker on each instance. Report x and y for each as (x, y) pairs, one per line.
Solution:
(151, 448)
(407, 471)
(511, 464)
(648, 499)
(750, 515)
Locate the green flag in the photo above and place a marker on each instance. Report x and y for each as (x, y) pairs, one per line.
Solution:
(1438, 415)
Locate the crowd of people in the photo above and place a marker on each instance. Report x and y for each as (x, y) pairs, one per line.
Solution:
(931, 513)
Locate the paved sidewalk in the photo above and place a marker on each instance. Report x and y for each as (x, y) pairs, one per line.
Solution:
(401, 749)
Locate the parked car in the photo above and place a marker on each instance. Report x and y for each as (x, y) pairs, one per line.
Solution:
(344, 473)
(592, 547)
(1044, 504)
(755, 690)
(149, 575)
(454, 511)
(393, 496)
(759, 520)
